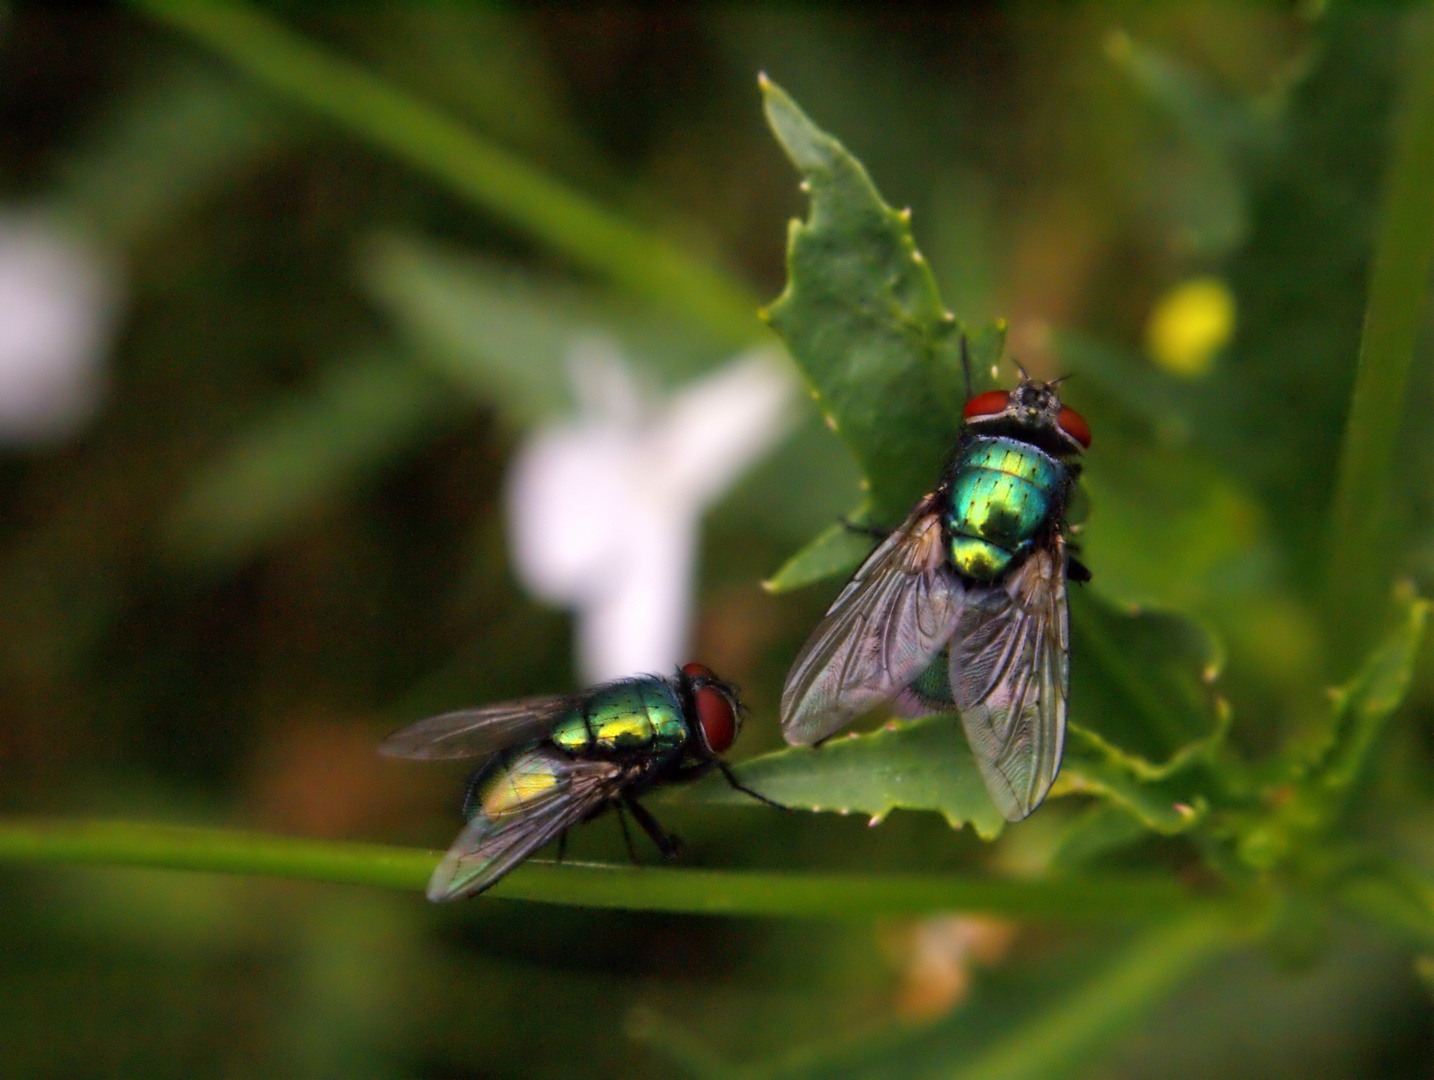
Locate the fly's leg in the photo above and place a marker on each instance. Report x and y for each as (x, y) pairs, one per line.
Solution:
(626, 836)
(874, 531)
(736, 785)
(665, 841)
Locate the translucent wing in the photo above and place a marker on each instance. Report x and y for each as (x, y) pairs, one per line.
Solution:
(893, 617)
(476, 732)
(535, 795)
(1010, 675)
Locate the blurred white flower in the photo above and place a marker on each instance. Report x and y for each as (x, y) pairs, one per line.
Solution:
(603, 509)
(59, 299)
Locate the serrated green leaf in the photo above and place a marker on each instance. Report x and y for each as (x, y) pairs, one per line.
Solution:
(863, 320)
(1168, 806)
(918, 765)
(1365, 703)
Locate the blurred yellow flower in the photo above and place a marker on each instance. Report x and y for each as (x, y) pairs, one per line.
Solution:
(1190, 324)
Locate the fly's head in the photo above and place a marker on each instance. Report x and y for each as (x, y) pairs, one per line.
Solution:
(1032, 411)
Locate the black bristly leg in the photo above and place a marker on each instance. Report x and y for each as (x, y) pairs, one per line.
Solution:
(626, 836)
(666, 843)
(866, 530)
(736, 785)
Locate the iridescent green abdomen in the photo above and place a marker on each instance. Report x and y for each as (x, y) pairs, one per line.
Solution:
(1003, 492)
(639, 714)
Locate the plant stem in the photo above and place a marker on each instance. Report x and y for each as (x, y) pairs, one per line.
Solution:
(708, 892)
(479, 171)
(1398, 284)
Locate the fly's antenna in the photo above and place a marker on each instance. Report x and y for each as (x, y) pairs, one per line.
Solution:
(966, 363)
(1056, 382)
(1025, 375)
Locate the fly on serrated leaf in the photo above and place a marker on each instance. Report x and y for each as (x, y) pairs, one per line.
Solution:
(964, 605)
(555, 762)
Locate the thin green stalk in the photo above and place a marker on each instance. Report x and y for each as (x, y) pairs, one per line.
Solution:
(485, 174)
(707, 892)
(1398, 283)
(1058, 1041)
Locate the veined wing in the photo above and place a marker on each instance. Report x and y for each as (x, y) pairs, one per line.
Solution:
(1010, 676)
(476, 732)
(893, 617)
(535, 795)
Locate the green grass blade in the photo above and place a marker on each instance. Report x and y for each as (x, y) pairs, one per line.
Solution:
(1398, 285)
(705, 892)
(485, 174)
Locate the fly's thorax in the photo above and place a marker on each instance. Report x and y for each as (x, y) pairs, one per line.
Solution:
(1003, 493)
(633, 715)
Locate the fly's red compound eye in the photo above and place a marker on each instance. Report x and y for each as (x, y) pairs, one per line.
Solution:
(719, 722)
(714, 709)
(1074, 425)
(988, 404)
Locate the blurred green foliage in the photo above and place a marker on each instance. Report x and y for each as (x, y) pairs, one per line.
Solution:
(358, 246)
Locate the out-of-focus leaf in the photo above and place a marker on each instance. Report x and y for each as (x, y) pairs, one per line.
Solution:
(1364, 704)
(432, 142)
(1207, 118)
(1162, 525)
(919, 765)
(190, 130)
(862, 318)
(1395, 312)
(1103, 828)
(316, 445)
(505, 336)
(497, 334)
(1141, 685)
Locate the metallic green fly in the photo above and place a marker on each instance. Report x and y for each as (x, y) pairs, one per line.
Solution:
(964, 604)
(555, 762)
